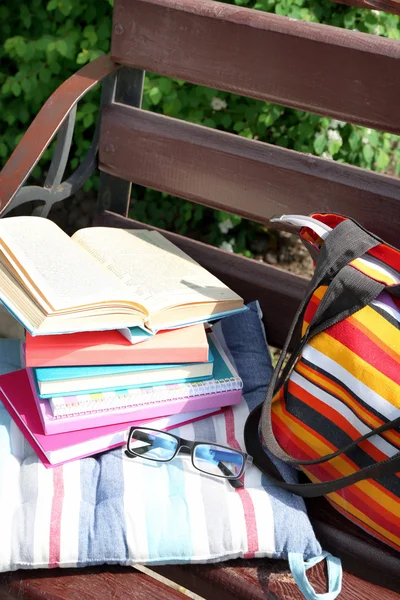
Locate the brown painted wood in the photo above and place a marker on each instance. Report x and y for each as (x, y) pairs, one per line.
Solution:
(246, 177)
(102, 583)
(264, 579)
(260, 579)
(390, 6)
(46, 124)
(279, 292)
(344, 74)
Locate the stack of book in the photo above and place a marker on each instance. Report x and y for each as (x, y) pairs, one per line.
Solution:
(115, 336)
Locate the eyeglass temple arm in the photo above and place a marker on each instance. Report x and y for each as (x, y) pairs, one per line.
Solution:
(235, 483)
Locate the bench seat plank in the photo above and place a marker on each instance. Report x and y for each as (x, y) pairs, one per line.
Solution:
(259, 579)
(105, 583)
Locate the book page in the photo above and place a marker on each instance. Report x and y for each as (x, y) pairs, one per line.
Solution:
(56, 271)
(159, 274)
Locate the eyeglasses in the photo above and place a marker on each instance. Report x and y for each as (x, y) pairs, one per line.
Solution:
(213, 459)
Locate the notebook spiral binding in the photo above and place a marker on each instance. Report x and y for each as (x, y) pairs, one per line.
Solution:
(67, 406)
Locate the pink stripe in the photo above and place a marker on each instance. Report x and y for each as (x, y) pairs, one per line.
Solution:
(56, 512)
(248, 508)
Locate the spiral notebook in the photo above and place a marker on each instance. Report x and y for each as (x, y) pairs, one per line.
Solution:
(69, 413)
(16, 395)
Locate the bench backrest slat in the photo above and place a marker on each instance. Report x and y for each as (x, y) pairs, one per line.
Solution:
(343, 74)
(250, 178)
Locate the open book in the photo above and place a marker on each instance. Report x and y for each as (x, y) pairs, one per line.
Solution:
(102, 278)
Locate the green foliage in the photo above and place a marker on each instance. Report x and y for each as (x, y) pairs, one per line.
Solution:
(41, 44)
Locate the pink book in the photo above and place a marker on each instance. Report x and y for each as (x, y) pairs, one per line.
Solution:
(68, 413)
(185, 345)
(16, 395)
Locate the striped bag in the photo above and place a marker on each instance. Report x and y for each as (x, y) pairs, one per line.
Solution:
(333, 409)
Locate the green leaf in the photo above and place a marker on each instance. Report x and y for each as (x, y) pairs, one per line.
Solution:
(52, 5)
(15, 88)
(239, 126)
(65, 7)
(349, 20)
(26, 85)
(226, 120)
(26, 17)
(6, 87)
(90, 34)
(165, 85)
(20, 46)
(334, 147)
(3, 150)
(370, 19)
(62, 47)
(88, 120)
(368, 153)
(82, 58)
(155, 95)
(44, 75)
(355, 140)
(320, 143)
(305, 129)
(374, 138)
(383, 160)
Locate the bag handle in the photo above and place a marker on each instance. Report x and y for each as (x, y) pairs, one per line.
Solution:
(349, 291)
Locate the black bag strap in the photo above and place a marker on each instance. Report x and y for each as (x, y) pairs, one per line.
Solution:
(312, 490)
(394, 289)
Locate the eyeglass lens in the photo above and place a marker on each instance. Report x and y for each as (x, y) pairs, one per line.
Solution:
(217, 461)
(151, 444)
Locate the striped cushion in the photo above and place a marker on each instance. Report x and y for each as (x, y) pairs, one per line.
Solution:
(345, 384)
(109, 509)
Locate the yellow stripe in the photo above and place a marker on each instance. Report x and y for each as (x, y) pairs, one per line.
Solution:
(350, 508)
(344, 465)
(372, 272)
(359, 368)
(379, 326)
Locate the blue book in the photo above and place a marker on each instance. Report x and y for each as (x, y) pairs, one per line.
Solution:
(65, 381)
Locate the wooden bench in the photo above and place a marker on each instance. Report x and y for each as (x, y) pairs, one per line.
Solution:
(342, 74)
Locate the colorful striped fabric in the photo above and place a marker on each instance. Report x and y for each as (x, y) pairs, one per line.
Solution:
(345, 384)
(111, 509)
